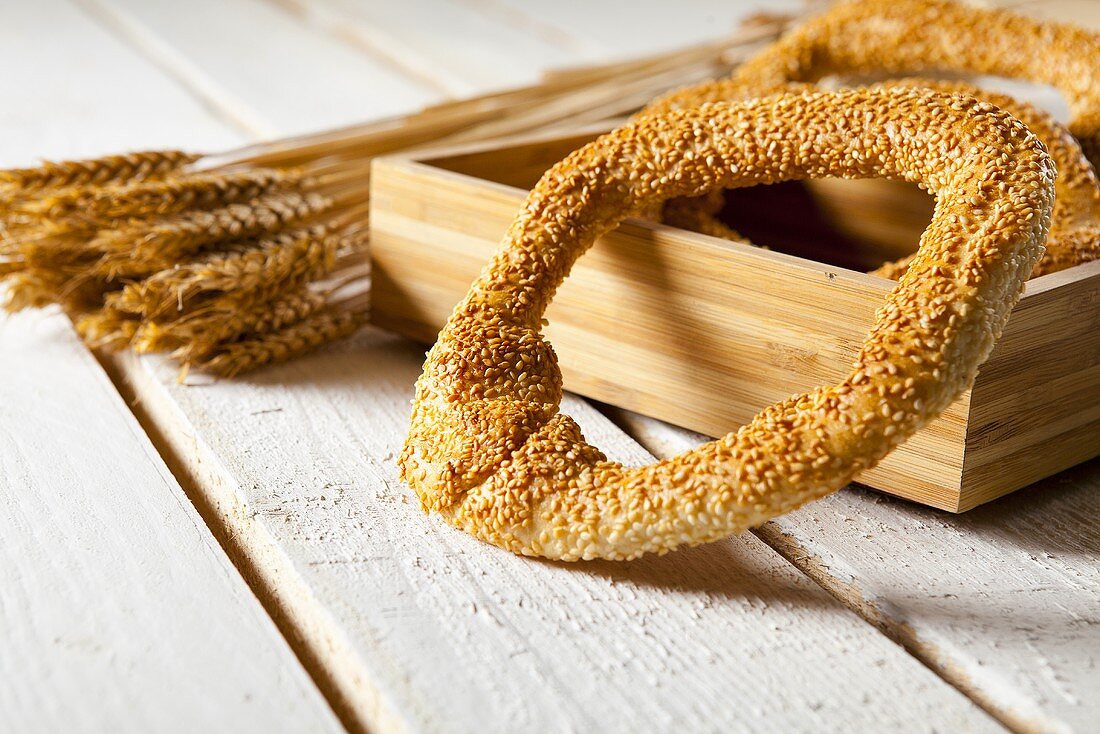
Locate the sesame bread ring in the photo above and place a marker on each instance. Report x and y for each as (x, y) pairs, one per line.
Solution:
(911, 36)
(488, 448)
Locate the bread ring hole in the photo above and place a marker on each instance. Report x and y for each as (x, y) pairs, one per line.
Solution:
(854, 224)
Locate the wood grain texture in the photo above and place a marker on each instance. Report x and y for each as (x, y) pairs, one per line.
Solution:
(1035, 407)
(429, 630)
(119, 611)
(620, 28)
(263, 65)
(1002, 601)
(448, 42)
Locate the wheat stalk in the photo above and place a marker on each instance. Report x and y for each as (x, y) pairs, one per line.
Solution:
(141, 249)
(81, 206)
(140, 166)
(320, 328)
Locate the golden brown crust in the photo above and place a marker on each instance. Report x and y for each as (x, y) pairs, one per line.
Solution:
(699, 215)
(488, 448)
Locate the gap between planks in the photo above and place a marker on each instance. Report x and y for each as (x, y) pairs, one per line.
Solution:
(852, 596)
(409, 36)
(848, 592)
(255, 555)
(522, 19)
(374, 45)
(1028, 703)
(161, 55)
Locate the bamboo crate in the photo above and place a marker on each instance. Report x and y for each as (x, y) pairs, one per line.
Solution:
(703, 333)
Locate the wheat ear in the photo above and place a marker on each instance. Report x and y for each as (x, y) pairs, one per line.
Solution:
(322, 327)
(38, 287)
(31, 289)
(141, 249)
(42, 246)
(107, 329)
(250, 275)
(140, 166)
(192, 191)
(200, 334)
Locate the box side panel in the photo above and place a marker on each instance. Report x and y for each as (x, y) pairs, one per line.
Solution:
(693, 330)
(521, 165)
(1036, 401)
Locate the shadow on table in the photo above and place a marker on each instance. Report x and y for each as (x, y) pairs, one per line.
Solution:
(1057, 515)
(740, 570)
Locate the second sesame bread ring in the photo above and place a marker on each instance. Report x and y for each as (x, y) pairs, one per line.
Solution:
(488, 448)
(895, 37)
(1074, 236)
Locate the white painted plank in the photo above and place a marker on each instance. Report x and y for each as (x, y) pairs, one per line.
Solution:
(259, 63)
(71, 90)
(428, 629)
(1004, 600)
(465, 51)
(119, 611)
(625, 28)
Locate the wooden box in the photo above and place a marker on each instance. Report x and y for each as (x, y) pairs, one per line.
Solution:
(703, 332)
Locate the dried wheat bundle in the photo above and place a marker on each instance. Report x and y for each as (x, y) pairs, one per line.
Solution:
(235, 260)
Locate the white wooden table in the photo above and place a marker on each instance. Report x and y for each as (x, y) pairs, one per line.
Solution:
(240, 556)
